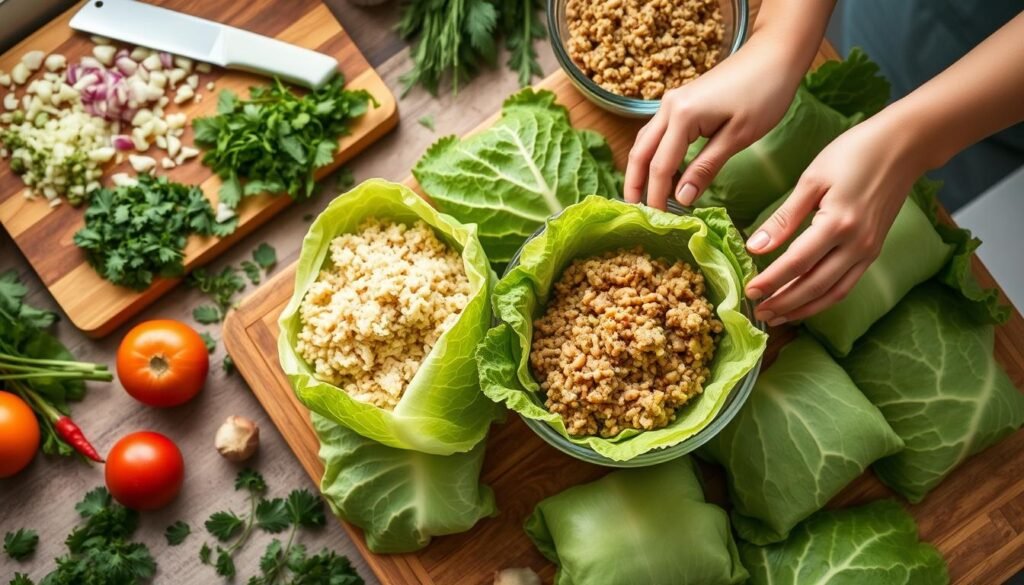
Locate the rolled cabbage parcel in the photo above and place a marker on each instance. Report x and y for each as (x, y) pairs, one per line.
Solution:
(639, 303)
(645, 525)
(390, 302)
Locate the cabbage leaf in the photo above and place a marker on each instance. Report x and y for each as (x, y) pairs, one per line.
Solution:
(804, 434)
(400, 498)
(706, 239)
(442, 410)
(876, 543)
(928, 366)
(509, 178)
(642, 525)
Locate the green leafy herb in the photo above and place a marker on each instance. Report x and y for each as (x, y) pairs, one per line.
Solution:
(21, 543)
(208, 341)
(21, 579)
(345, 181)
(252, 271)
(277, 139)
(99, 550)
(521, 21)
(250, 480)
(134, 233)
(220, 287)
(36, 366)
(177, 532)
(272, 515)
(265, 256)
(510, 178)
(427, 122)
(224, 525)
(455, 38)
(227, 365)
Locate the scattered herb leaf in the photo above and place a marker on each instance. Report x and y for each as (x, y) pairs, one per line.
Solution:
(427, 122)
(224, 525)
(252, 271)
(21, 543)
(265, 256)
(345, 181)
(177, 532)
(208, 341)
(228, 365)
(207, 314)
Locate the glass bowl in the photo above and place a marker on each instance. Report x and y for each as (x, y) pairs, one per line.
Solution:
(737, 398)
(735, 16)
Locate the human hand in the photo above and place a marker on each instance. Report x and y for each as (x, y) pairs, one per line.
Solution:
(733, 104)
(857, 184)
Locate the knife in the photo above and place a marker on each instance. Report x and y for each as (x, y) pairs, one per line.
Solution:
(203, 40)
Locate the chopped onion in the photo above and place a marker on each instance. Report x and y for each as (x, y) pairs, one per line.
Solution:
(122, 142)
(167, 60)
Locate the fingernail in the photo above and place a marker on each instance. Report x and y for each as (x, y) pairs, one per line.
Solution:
(777, 321)
(754, 293)
(687, 193)
(758, 240)
(764, 315)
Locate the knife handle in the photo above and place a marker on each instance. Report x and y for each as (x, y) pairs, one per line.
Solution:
(259, 54)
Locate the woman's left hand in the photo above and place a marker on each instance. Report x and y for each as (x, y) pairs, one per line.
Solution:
(856, 185)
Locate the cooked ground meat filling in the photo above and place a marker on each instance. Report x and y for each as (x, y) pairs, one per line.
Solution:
(642, 48)
(374, 314)
(625, 341)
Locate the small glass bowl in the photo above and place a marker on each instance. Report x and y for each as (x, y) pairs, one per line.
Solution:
(735, 16)
(737, 398)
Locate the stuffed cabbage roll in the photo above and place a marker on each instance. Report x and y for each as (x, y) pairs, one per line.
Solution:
(400, 498)
(928, 366)
(642, 525)
(876, 543)
(804, 434)
(912, 253)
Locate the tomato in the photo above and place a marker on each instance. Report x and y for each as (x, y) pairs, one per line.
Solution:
(144, 471)
(162, 363)
(19, 434)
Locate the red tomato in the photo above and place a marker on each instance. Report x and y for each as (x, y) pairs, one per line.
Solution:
(19, 434)
(162, 363)
(145, 471)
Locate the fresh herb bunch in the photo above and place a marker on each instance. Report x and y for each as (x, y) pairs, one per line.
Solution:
(99, 549)
(37, 367)
(276, 140)
(457, 37)
(220, 287)
(135, 232)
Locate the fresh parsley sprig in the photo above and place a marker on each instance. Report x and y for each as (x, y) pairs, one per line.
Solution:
(21, 543)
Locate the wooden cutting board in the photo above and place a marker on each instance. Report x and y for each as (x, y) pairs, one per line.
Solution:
(976, 517)
(44, 234)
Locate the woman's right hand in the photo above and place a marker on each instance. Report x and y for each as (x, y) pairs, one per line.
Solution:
(733, 105)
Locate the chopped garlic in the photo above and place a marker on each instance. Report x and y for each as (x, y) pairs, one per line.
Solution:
(20, 74)
(158, 79)
(98, 40)
(186, 153)
(5, 79)
(55, 62)
(192, 81)
(123, 180)
(140, 54)
(224, 213)
(173, 145)
(11, 101)
(33, 60)
(204, 67)
(153, 63)
(167, 163)
(104, 54)
(183, 94)
(141, 164)
(176, 75)
(103, 154)
(161, 142)
(183, 63)
(175, 121)
(210, 85)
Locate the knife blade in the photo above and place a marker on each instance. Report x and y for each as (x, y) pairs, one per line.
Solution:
(181, 34)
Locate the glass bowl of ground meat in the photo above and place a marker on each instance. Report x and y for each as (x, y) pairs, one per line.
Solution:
(624, 55)
(670, 343)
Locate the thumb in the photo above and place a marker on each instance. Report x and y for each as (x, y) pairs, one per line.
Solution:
(782, 224)
(706, 165)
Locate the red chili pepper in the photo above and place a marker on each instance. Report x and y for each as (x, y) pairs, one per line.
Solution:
(70, 432)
